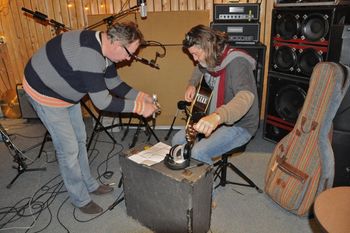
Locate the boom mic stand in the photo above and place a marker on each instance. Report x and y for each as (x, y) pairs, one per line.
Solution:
(17, 157)
(181, 105)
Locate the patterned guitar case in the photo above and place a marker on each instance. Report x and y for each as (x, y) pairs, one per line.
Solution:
(302, 163)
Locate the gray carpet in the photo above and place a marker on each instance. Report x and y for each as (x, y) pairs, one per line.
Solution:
(37, 201)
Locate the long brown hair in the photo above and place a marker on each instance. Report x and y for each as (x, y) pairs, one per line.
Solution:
(211, 41)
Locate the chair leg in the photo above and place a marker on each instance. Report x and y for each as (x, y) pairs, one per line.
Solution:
(241, 174)
(221, 172)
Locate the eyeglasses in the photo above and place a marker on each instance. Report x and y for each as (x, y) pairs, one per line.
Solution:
(129, 54)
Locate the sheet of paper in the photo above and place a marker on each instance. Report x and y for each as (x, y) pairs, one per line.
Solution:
(152, 155)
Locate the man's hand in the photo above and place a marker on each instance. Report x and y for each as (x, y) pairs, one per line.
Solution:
(208, 124)
(190, 93)
(149, 109)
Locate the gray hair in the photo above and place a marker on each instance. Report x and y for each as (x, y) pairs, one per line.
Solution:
(125, 32)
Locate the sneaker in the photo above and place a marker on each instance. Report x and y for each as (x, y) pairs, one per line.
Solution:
(103, 189)
(91, 208)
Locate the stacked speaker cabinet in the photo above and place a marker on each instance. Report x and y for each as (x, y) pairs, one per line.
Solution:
(301, 37)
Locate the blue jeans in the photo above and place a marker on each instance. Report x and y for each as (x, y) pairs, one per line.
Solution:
(223, 139)
(67, 130)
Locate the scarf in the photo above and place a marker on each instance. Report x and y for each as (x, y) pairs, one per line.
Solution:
(220, 71)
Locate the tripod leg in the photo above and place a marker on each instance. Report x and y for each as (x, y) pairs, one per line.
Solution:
(93, 133)
(15, 178)
(172, 125)
(150, 129)
(97, 122)
(127, 129)
(136, 135)
(241, 174)
(46, 138)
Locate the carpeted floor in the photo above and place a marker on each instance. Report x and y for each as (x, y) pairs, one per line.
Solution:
(37, 201)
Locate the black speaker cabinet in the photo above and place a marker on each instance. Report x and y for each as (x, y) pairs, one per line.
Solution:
(341, 148)
(301, 37)
(257, 51)
(286, 96)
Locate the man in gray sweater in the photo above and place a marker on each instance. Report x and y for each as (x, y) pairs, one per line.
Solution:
(60, 74)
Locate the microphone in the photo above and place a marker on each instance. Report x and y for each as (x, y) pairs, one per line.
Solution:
(143, 8)
(183, 104)
(36, 14)
(147, 62)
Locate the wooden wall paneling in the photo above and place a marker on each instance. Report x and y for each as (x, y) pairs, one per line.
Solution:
(57, 12)
(191, 5)
(109, 6)
(94, 8)
(150, 6)
(101, 7)
(117, 5)
(174, 5)
(79, 6)
(71, 14)
(6, 74)
(12, 41)
(166, 5)
(183, 5)
(65, 13)
(38, 26)
(20, 39)
(157, 5)
(200, 5)
(132, 3)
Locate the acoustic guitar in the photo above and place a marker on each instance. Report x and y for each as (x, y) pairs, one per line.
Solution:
(179, 155)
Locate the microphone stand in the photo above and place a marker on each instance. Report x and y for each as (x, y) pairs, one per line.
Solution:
(17, 157)
(109, 20)
(45, 20)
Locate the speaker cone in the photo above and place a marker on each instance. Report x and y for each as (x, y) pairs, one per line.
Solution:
(285, 58)
(288, 26)
(288, 102)
(315, 27)
(307, 60)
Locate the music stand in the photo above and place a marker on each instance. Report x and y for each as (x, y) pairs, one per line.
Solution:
(18, 157)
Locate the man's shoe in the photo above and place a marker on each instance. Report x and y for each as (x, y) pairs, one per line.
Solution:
(103, 189)
(91, 208)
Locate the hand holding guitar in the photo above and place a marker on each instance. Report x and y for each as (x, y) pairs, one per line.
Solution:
(190, 93)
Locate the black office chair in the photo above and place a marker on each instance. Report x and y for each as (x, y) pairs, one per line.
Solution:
(223, 164)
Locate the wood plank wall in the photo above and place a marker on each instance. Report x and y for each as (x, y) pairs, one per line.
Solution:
(21, 36)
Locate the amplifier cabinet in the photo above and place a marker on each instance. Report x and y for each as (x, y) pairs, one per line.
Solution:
(285, 98)
(296, 59)
(166, 200)
(240, 33)
(27, 110)
(247, 12)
